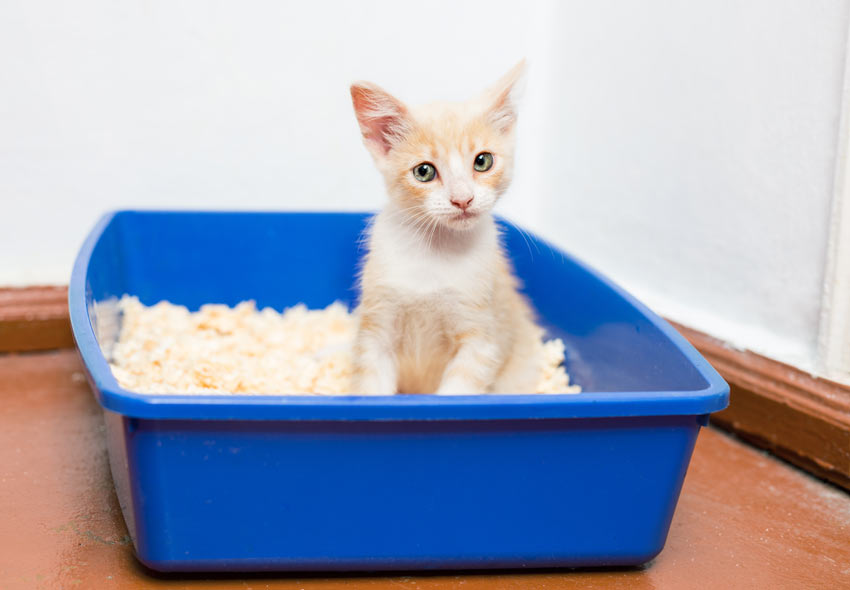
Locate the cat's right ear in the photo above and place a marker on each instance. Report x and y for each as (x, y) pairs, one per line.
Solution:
(502, 98)
(384, 120)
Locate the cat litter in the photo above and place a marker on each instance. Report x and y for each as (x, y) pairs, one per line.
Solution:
(165, 348)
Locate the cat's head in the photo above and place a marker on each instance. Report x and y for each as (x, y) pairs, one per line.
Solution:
(443, 163)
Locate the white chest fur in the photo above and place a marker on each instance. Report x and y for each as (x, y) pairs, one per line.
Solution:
(418, 265)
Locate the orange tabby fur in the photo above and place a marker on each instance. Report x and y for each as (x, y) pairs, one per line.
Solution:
(439, 309)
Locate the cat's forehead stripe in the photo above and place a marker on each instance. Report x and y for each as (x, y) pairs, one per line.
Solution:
(439, 142)
(448, 127)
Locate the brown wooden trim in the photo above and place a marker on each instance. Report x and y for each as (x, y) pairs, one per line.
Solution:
(801, 418)
(34, 318)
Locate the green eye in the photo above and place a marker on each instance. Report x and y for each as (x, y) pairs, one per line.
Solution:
(483, 161)
(424, 172)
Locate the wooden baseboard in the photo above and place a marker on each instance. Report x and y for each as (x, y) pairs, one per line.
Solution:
(34, 318)
(803, 419)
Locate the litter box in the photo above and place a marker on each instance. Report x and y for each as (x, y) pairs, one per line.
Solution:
(406, 482)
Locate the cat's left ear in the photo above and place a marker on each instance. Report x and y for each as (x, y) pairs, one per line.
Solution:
(384, 120)
(502, 99)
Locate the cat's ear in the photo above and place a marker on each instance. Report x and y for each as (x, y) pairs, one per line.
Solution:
(384, 120)
(501, 99)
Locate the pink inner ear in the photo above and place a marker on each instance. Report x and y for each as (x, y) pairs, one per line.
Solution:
(381, 117)
(380, 132)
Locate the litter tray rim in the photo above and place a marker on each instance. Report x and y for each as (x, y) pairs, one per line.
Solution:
(113, 397)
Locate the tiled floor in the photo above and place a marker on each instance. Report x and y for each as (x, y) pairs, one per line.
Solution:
(745, 520)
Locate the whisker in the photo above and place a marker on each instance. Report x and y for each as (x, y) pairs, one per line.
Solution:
(525, 238)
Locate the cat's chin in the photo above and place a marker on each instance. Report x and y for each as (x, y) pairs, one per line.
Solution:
(461, 221)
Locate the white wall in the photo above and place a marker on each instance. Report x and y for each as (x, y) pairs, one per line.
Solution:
(694, 144)
(215, 105)
(686, 149)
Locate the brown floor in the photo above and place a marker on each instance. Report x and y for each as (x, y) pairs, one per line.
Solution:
(745, 520)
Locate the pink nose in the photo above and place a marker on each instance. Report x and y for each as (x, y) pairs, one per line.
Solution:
(462, 203)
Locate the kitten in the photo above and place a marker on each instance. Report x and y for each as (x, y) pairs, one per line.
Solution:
(439, 309)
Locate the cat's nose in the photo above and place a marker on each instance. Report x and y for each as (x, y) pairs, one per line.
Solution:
(462, 203)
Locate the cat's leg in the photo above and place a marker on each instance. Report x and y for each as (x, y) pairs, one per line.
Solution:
(375, 366)
(521, 373)
(475, 365)
(522, 369)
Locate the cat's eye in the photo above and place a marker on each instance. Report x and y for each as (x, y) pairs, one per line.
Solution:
(483, 162)
(424, 172)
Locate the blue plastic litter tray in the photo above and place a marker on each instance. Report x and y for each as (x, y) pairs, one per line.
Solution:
(250, 483)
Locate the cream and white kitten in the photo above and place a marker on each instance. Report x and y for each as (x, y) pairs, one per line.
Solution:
(439, 309)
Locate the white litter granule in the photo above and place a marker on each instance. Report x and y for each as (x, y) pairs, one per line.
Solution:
(166, 348)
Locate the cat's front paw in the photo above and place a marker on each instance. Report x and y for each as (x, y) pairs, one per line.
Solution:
(459, 387)
(373, 384)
